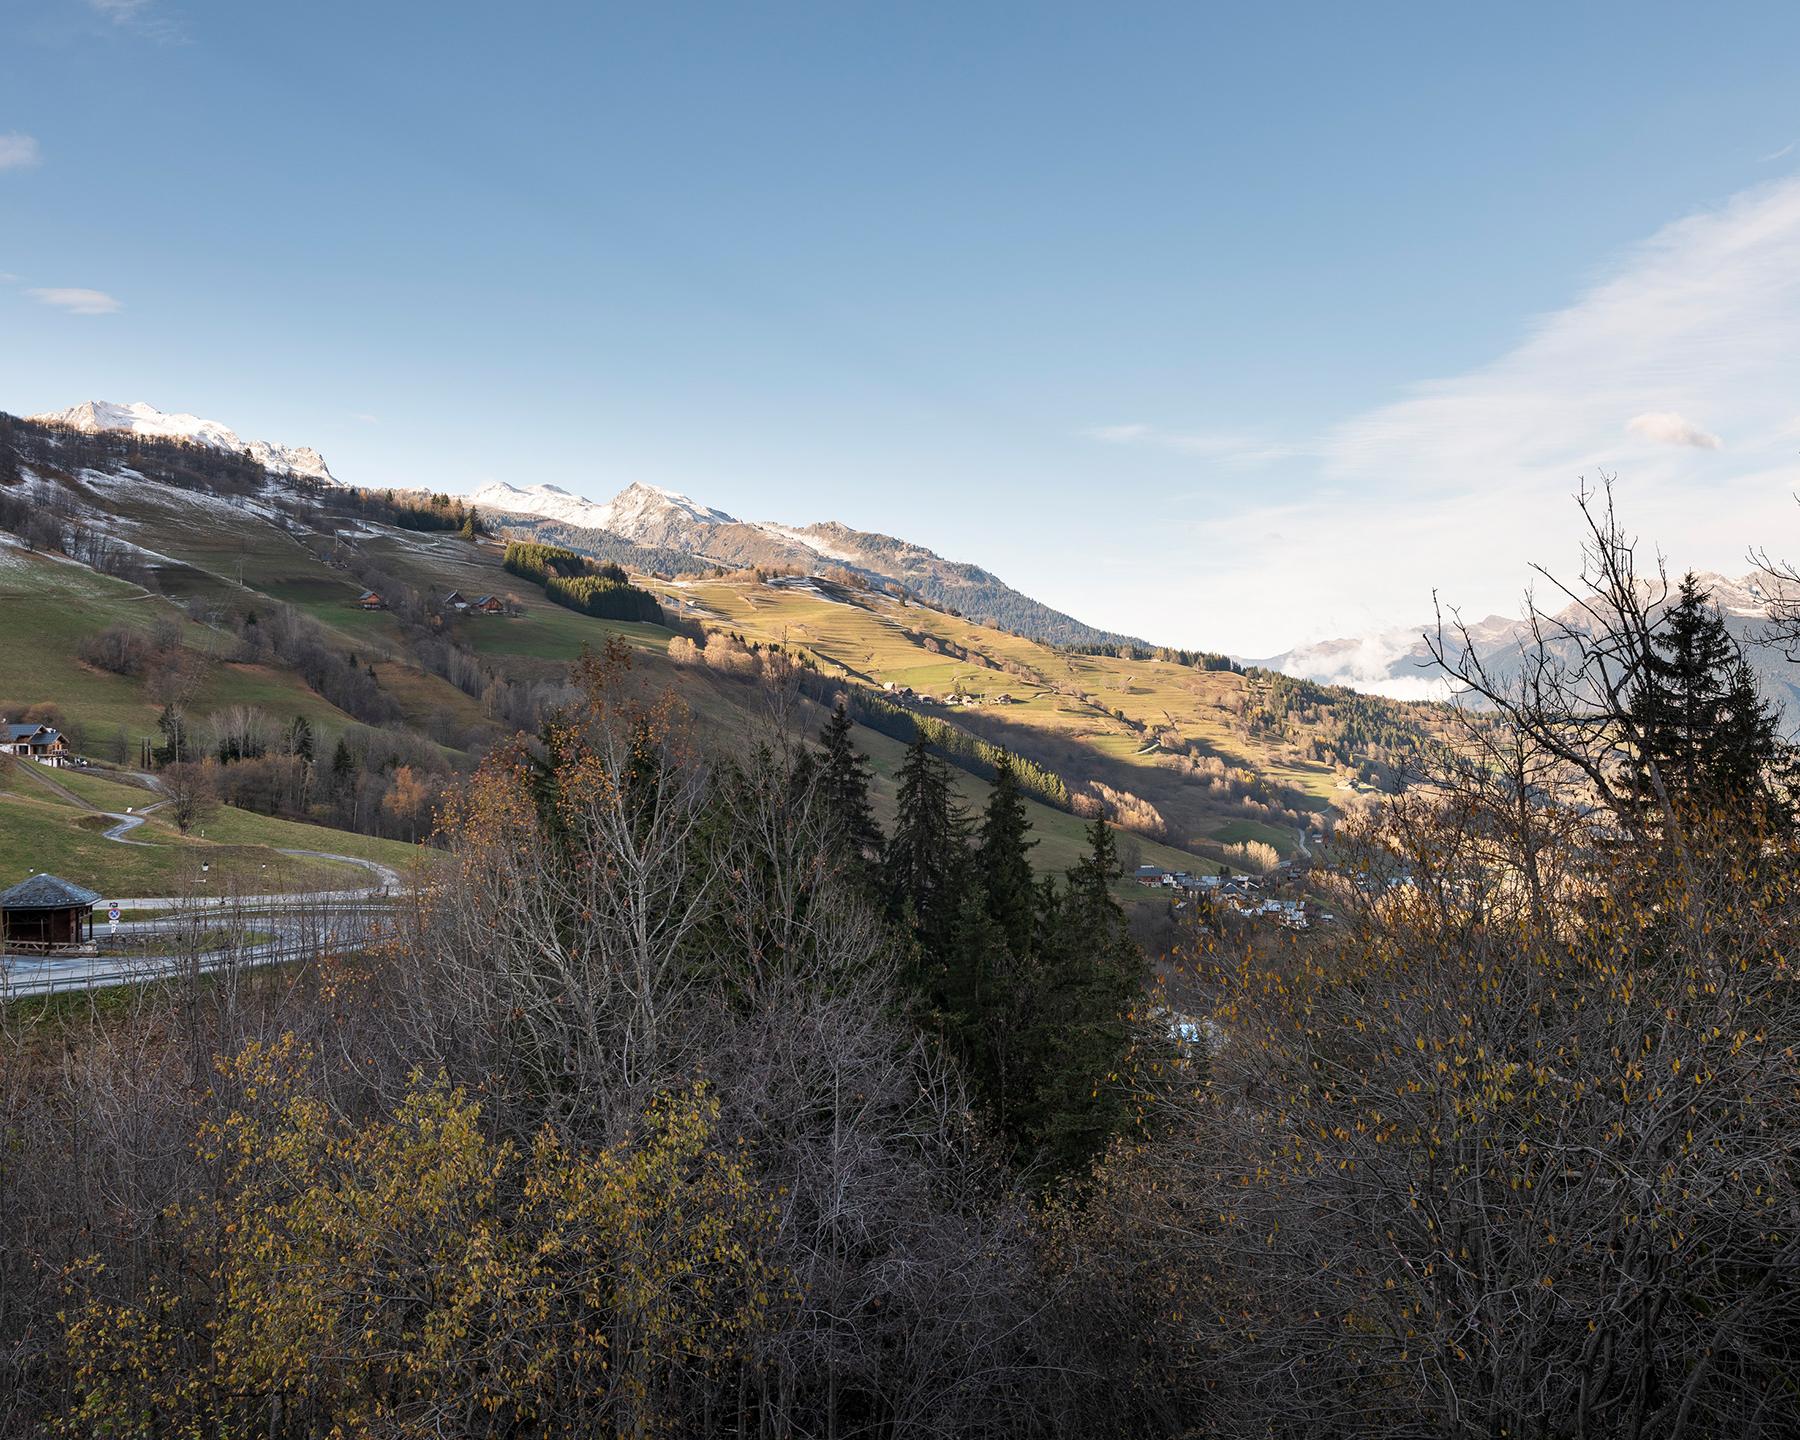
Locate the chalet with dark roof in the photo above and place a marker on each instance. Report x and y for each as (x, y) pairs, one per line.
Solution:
(43, 743)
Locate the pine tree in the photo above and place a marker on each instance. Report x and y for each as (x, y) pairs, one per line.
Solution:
(1003, 862)
(1092, 972)
(925, 860)
(1704, 736)
(843, 780)
(1091, 881)
(471, 526)
(988, 967)
(300, 739)
(1748, 754)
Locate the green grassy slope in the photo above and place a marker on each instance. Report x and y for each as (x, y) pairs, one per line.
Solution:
(43, 830)
(1095, 717)
(1177, 741)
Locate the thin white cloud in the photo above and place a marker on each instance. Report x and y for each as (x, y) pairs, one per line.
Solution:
(19, 151)
(77, 301)
(1228, 448)
(143, 16)
(1665, 427)
(365, 417)
(1781, 154)
(1459, 484)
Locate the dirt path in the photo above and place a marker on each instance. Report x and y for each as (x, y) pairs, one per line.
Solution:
(41, 774)
(116, 833)
(388, 880)
(128, 823)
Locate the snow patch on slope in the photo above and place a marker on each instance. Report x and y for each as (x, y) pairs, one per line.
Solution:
(136, 486)
(805, 541)
(92, 417)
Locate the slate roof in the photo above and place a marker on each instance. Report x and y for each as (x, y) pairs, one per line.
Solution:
(46, 892)
(12, 734)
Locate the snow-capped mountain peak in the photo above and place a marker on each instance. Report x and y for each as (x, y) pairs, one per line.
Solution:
(549, 502)
(94, 416)
(643, 514)
(639, 509)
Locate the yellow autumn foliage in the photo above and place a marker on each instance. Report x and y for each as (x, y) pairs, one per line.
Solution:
(412, 1276)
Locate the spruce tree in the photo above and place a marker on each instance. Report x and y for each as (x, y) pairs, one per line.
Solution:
(1092, 972)
(926, 858)
(300, 739)
(1003, 862)
(1704, 736)
(1748, 755)
(843, 780)
(988, 968)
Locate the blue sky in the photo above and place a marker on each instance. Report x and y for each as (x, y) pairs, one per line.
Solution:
(1231, 327)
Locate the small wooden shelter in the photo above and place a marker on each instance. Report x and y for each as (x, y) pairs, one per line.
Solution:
(46, 910)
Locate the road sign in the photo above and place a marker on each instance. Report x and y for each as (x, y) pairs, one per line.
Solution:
(112, 912)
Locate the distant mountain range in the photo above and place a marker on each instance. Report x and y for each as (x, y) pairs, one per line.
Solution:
(94, 416)
(656, 529)
(656, 520)
(1397, 663)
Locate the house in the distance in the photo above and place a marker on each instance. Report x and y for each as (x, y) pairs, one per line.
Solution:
(488, 605)
(371, 600)
(42, 743)
(456, 600)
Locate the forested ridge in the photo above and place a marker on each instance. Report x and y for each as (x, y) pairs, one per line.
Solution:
(602, 590)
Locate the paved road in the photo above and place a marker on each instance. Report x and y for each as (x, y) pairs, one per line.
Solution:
(294, 935)
(388, 882)
(127, 823)
(302, 924)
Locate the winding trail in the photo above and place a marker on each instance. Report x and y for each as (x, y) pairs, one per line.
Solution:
(301, 924)
(128, 823)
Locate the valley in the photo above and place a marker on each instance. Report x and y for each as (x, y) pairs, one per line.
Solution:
(245, 585)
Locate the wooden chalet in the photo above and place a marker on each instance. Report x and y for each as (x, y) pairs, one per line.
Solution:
(42, 743)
